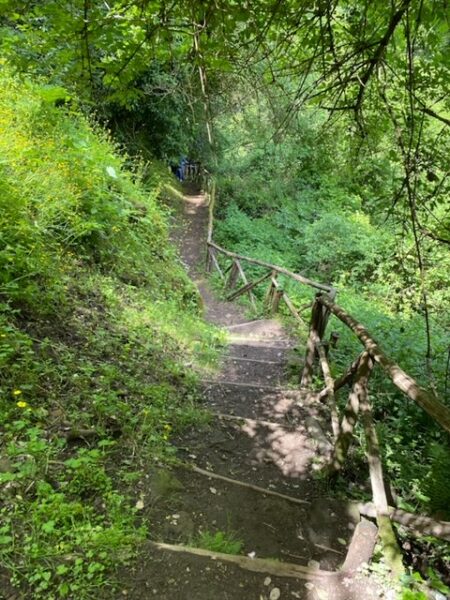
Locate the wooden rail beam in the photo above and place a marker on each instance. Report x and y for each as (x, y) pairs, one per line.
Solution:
(215, 262)
(249, 286)
(418, 524)
(342, 380)
(427, 400)
(300, 278)
(245, 280)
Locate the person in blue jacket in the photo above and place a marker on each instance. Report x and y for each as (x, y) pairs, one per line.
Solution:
(181, 168)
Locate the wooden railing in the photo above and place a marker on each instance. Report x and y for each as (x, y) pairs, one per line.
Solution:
(357, 375)
(234, 272)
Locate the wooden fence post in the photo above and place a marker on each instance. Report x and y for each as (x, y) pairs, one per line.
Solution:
(351, 411)
(329, 382)
(269, 294)
(319, 319)
(276, 298)
(208, 259)
(389, 542)
(233, 276)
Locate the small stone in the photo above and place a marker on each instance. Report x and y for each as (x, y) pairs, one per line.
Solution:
(309, 585)
(213, 490)
(251, 554)
(275, 594)
(313, 564)
(267, 581)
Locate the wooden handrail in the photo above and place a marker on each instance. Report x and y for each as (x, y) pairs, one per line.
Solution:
(427, 400)
(261, 263)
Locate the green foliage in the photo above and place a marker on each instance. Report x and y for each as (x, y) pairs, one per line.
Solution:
(436, 482)
(100, 342)
(226, 542)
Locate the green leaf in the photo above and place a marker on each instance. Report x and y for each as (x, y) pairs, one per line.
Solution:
(48, 527)
(111, 172)
(52, 94)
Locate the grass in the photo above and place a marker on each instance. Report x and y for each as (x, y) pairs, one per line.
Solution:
(226, 542)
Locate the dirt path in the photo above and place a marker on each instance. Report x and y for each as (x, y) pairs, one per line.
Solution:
(263, 434)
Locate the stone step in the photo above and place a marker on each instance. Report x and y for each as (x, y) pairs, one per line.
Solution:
(177, 572)
(268, 526)
(260, 351)
(254, 371)
(270, 403)
(259, 340)
(269, 454)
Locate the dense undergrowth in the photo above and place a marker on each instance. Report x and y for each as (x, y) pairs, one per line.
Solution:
(99, 330)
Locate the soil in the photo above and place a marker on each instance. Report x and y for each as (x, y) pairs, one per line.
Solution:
(264, 433)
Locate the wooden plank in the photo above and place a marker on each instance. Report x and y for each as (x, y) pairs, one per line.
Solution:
(281, 270)
(426, 399)
(256, 565)
(361, 546)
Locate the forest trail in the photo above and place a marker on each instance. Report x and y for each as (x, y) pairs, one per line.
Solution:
(264, 435)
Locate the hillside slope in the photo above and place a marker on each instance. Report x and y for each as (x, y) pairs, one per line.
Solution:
(99, 325)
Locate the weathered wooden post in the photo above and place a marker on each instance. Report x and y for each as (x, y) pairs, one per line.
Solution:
(357, 394)
(233, 276)
(276, 298)
(208, 259)
(269, 294)
(319, 319)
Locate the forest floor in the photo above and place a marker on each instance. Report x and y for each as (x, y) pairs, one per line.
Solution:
(263, 434)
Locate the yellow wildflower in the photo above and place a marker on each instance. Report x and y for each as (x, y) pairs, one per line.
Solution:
(17, 392)
(22, 404)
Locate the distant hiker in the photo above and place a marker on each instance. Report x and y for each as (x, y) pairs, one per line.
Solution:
(181, 168)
